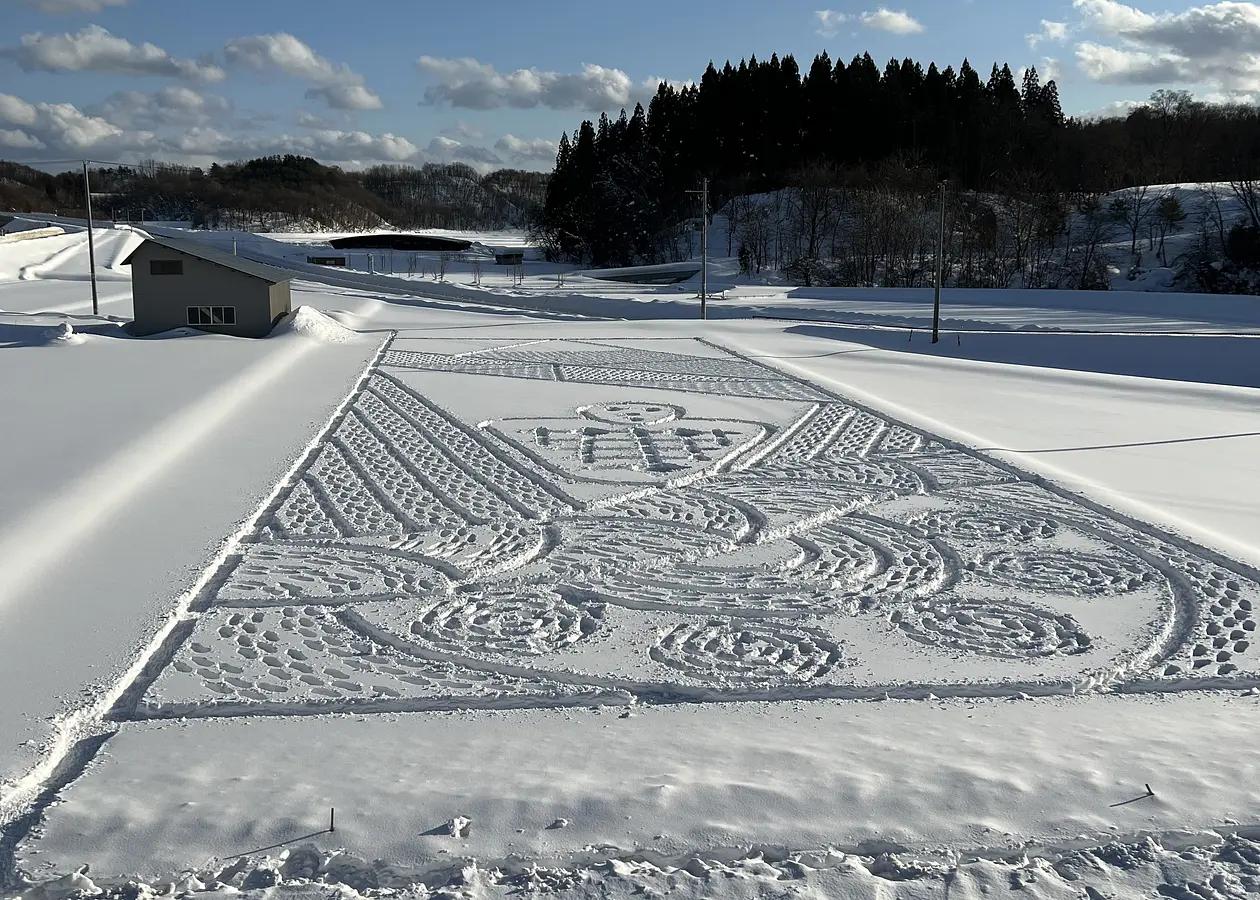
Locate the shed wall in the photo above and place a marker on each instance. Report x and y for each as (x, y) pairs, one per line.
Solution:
(281, 301)
(161, 301)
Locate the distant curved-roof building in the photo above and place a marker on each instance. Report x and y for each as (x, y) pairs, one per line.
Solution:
(396, 241)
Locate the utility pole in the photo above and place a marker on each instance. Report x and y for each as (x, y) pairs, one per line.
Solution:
(940, 273)
(704, 247)
(87, 192)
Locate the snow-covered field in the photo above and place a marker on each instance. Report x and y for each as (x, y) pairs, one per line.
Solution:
(560, 590)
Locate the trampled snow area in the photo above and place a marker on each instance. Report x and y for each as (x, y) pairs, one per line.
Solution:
(543, 601)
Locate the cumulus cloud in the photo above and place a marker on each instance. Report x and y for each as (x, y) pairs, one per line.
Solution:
(19, 140)
(463, 129)
(171, 106)
(58, 125)
(336, 84)
(1216, 45)
(445, 149)
(830, 21)
(59, 128)
(469, 84)
(69, 7)
(891, 21)
(1116, 109)
(308, 119)
(521, 150)
(1050, 31)
(324, 144)
(93, 49)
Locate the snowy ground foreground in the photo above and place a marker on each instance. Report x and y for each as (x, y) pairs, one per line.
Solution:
(509, 531)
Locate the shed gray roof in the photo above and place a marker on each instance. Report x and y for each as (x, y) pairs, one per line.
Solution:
(203, 251)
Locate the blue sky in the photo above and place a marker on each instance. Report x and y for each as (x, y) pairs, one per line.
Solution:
(495, 83)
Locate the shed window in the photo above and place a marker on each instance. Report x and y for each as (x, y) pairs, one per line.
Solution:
(212, 315)
(166, 267)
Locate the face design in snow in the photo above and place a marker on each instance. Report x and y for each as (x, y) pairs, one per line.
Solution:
(620, 440)
(632, 413)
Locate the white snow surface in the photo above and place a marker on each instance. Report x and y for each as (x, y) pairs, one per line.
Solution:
(751, 605)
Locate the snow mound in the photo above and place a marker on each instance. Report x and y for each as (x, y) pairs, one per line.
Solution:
(311, 323)
(64, 334)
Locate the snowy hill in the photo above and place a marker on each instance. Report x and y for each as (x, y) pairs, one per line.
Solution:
(1145, 238)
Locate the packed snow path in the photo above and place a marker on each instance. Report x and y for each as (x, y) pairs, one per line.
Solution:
(659, 548)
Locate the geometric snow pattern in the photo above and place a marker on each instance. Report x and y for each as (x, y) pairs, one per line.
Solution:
(645, 546)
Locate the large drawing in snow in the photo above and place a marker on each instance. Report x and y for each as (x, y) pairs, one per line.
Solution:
(666, 521)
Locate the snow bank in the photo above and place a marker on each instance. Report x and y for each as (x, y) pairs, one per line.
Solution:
(35, 335)
(1204, 358)
(311, 323)
(1210, 866)
(30, 234)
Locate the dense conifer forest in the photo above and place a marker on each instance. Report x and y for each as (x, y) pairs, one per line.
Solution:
(832, 174)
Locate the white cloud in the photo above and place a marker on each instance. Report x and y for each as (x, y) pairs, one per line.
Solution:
(93, 49)
(521, 150)
(17, 111)
(1116, 109)
(171, 106)
(1050, 31)
(445, 149)
(345, 96)
(463, 129)
(830, 21)
(338, 85)
(324, 144)
(470, 84)
(891, 21)
(60, 129)
(1216, 45)
(69, 7)
(58, 125)
(308, 119)
(20, 140)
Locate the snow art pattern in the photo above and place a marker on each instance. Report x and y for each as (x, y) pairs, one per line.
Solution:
(699, 527)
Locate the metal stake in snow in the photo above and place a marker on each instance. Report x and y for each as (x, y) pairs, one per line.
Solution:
(704, 246)
(940, 273)
(87, 192)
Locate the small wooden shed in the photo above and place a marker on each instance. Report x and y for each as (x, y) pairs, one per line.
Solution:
(182, 282)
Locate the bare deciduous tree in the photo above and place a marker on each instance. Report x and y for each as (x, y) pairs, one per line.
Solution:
(1247, 192)
(1132, 207)
(1168, 218)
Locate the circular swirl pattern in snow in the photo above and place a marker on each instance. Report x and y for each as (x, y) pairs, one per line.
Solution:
(507, 620)
(981, 525)
(1010, 630)
(1066, 572)
(725, 650)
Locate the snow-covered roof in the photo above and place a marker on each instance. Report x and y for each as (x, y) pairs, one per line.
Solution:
(201, 250)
